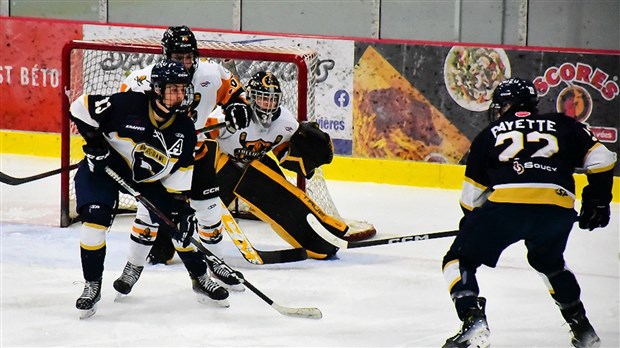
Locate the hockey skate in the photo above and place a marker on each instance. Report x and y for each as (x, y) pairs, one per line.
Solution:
(224, 276)
(87, 302)
(583, 333)
(208, 291)
(474, 332)
(131, 274)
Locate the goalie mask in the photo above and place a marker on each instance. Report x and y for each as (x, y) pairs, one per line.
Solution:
(514, 94)
(172, 75)
(180, 40)
(265, 97)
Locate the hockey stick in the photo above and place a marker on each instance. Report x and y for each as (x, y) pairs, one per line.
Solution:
(7, 179)
(10, 180)
(343, 244)
(306, 312)
(253, 255)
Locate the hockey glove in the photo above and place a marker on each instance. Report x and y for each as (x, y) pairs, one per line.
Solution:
(96, 157)
(186, 223)
(237, 116)
(594, 213)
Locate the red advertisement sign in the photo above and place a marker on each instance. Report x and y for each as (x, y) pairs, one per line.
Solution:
(30, 72)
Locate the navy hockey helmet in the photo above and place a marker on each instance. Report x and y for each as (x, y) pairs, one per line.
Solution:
(180, 40)
(172, 72)
(265, 96)
(516, 94)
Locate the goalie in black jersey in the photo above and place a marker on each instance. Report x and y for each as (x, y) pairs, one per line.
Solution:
(519, 186)
(149, 140)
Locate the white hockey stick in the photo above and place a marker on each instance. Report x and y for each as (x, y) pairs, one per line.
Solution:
(306, 312)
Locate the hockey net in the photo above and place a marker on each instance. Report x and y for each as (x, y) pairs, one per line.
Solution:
(99, 67)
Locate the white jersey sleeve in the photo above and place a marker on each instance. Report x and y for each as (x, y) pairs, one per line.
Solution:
(138, 80)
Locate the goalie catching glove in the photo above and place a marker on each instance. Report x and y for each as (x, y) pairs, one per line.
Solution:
(309, 148)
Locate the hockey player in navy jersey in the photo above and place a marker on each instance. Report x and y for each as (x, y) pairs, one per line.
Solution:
(214, 87)
(519, 186)
(149, 141)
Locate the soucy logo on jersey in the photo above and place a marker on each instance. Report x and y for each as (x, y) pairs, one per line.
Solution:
(520, 168)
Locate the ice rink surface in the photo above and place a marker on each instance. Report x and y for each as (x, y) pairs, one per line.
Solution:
(380, 296)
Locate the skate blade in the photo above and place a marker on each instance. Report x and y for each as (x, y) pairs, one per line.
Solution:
(87, 313)
(206, 300)
(119, 297)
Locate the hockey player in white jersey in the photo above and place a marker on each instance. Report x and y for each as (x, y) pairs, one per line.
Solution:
(214, 86)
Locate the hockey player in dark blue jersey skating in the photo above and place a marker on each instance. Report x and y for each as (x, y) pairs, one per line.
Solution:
(149, 140)
(519, 186)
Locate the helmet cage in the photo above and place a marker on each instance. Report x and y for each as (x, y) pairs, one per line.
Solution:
(172, 72)
(265, 104)
(265, 96)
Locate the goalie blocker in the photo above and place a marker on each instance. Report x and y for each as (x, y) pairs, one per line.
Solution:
(275, 200)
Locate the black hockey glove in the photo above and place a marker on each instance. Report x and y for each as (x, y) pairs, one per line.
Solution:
(594, 213)
(96, 157)
(237, 116)
(186, 223)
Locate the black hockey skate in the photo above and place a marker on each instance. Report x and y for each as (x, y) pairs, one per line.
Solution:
(474, 332)
(87, 302)
(224, 276)
(208, 291)
(583, 332)
(131, 274)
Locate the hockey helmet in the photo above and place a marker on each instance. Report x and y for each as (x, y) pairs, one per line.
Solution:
(180, 40)
(265, 96)
(516, 93)
(171, 72)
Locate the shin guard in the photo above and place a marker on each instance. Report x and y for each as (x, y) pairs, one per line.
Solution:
(284, 206)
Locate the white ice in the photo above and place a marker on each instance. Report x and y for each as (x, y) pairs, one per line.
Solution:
(380, 296)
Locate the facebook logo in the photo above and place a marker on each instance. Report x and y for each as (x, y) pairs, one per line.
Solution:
(341, 98)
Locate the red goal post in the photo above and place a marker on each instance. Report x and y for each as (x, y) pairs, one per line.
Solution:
(99, 67)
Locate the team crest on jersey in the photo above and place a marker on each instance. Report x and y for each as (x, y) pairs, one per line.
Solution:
(253, 149)
(148, 162)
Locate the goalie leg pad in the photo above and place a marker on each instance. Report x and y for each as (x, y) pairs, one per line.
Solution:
(287, 212)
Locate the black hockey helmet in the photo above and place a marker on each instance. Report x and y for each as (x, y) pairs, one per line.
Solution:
(517, 93)
(180, 40)
(265, 96)
(168, 72)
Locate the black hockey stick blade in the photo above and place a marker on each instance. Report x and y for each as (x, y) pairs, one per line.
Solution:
(249, 252)
(343, 244)
(10, 180)
(307, 312)
(282, 256)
